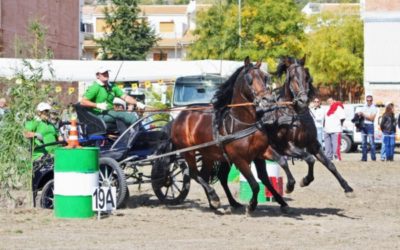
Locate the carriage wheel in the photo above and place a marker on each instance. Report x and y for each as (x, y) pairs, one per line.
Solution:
(47, 196)
(170, 178)
(111, 175)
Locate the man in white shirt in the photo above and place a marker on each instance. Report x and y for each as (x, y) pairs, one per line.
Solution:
(333, 121)
(369, 112)
(318, 116)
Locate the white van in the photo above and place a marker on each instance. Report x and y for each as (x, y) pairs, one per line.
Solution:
(197, 89)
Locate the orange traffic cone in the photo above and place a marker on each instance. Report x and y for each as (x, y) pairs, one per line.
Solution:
(73, 135)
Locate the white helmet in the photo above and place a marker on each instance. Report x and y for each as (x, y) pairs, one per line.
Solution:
(43, 106)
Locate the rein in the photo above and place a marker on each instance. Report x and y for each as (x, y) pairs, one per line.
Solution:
(210, 107)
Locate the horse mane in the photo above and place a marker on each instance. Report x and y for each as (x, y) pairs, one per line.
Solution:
(223, 96)
(312, 90)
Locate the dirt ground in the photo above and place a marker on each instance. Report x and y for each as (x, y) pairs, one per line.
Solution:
(321, 217)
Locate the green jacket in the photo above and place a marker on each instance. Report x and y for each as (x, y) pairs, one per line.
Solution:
(48, 132)
(98, 94)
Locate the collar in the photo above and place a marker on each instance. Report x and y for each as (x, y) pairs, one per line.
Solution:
(99, 82)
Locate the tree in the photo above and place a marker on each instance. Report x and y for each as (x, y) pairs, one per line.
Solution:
(129, 37)
(24, 92)
(269, 29)
(335, 48)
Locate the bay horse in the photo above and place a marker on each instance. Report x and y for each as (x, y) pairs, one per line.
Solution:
(193, 127)
(301, 135)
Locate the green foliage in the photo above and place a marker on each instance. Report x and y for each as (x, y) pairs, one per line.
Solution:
(156, 102)
(38, 48)
(24, 92)
(269, 29)
(335, 49)
(130, 38)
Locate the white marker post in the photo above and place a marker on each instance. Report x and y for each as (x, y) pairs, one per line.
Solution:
(104, 199)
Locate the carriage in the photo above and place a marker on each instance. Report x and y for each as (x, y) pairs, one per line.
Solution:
(124, 159)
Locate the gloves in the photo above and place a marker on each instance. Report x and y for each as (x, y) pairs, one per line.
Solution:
(140, 105)
(39, 136)
(101, 106)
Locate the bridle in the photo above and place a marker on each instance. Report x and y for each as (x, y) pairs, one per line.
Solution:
(257, 96)
(303, 90)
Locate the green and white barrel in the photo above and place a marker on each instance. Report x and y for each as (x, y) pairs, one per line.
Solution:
(234, 174)
(275, 179)
(245, 192)
(76, 174)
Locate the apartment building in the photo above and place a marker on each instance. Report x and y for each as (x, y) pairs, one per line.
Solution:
(60, 18)
(172, 23)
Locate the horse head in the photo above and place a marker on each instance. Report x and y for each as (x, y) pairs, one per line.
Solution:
(298, 84)
(247, 84)
(253, 82)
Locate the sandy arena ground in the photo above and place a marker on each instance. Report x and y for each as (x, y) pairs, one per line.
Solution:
(321, 217)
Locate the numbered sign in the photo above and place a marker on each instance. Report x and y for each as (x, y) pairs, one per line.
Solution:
(104, 199)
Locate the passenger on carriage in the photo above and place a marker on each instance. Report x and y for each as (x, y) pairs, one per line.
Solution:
(100, 96)
(42, 131)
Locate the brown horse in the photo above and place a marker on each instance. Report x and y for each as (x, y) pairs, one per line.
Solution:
(192, 128)
(301, 134)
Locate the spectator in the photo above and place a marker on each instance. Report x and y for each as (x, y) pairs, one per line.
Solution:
(318, 115)
(369, 112)
(42, 131)
(3, 107)
(100, 96)
(333, 121)
(388, 127)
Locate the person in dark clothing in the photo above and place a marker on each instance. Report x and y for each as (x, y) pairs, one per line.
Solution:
(388, 127)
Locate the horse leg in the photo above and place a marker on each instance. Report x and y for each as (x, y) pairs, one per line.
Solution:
(281, 160)
(263, 176)
(244, 168)
(223, 178)
(331, 167)
(212, 196)
(307, 157)
(301, 153)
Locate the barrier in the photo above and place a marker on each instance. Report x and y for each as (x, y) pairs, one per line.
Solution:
(234, 174)
(275, 179)
(245, 192)
(76, 174)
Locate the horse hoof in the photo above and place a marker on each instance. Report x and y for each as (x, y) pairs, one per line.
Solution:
(235, 210)
(237, 205)
(220, 211)
(305, 182)
(250, 208)
(215, 204)
(289, 189)
(350, 195)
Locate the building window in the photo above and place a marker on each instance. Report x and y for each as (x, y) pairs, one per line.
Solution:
(87, 27)
(167, 27)
(160, 56)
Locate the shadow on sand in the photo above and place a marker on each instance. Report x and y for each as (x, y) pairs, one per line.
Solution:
(263, 210)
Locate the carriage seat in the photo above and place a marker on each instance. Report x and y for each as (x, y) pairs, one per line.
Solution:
(93, 124)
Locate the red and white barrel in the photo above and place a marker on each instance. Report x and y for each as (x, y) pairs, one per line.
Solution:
(275, 179)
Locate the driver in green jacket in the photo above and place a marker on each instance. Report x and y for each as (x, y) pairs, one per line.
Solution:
(42, 131)
(100, 96)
